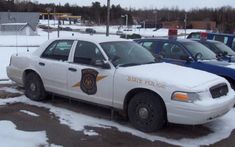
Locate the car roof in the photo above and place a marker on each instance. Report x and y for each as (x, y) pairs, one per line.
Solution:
(210, 41)
(166, 38)
(222, 34)
(93, 38)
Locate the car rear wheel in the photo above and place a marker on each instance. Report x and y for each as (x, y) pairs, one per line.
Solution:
(34, 88)
(146, 112)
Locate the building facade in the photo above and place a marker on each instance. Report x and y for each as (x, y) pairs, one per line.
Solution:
(21, 23)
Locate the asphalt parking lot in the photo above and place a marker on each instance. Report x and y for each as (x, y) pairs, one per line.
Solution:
(61, 134)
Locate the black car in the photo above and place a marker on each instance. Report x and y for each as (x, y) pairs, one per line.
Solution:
(90, 31)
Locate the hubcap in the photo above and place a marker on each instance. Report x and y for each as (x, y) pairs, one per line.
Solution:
(32, 87)
(143, 113)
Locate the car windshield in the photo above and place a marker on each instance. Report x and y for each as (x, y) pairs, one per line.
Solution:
(196, 48)
(223, 48)
(125, 53)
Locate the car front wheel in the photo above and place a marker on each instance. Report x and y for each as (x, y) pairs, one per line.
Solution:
(34, 88)
(146, 112)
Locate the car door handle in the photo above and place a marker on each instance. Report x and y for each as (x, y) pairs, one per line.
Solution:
(72, 69)
(41, 64)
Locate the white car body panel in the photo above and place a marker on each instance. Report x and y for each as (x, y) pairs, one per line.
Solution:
(162, 78)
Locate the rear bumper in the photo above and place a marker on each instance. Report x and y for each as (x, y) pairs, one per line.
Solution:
(15, 75)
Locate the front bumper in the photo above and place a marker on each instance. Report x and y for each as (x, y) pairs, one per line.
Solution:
(199, 113)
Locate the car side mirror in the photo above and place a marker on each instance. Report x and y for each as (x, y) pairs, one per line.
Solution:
(102, 64)
(220, 56)
(186, 58)
(158, 56)
(198, 56)
(225, 53)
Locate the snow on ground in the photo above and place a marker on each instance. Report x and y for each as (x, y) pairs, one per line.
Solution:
(5, 81)
(221, 128)
(29, 113)
(90, 133)
(114, 29)
(10, 90)
(8, 41)
(10, 136)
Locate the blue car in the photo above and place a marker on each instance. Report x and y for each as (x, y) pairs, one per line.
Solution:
(220, 49)
(190, 53)
(228, 39)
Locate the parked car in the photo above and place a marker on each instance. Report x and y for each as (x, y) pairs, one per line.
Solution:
(122, 75)
(228, 39)
(190, 53)
(67, 29)
(131, 36)
(119, 33)
(220, 49)
(90, 31)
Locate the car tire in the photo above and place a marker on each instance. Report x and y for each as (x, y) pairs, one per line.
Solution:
(146, 112)
(34, 88)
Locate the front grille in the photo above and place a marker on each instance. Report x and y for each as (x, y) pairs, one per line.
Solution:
(219, 90)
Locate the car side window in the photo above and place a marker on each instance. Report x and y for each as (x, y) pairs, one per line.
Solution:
(195, 35)
(233, 45)
(58, 50)
(149, 45)
(87, 53)
(172, 51)
(220, 38)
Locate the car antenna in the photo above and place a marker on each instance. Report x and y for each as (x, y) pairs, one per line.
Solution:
(27, 44)
(16, 41)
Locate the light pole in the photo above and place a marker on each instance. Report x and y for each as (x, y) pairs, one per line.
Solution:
(185, 23)
(108, 17)
(126, 16)
(48, 17)
(144, 24)
(156, 17)
(14, 19)
(58, 28)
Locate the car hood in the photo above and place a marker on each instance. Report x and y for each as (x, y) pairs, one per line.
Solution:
(216, 62)
(170, 74)
(232, 58)
(225, 64)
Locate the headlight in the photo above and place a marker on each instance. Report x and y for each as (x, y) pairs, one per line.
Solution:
(189, 97)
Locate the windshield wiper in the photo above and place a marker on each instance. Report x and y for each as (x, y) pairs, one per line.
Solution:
(152, 62)
(158, 57)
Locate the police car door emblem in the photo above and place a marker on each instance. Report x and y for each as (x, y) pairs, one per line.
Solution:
(88, 81)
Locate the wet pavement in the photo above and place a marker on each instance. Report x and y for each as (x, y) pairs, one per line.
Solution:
(63, 135)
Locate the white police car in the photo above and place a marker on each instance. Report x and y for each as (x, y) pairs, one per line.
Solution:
(123, 75)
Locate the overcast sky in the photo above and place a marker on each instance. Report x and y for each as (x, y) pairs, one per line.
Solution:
(182, 4)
